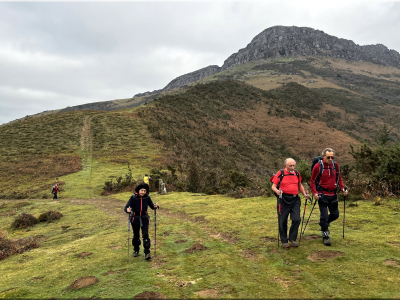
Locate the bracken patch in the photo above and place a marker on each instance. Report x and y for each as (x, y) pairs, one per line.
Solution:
(24, 220)
(17, 246)
(50, 216)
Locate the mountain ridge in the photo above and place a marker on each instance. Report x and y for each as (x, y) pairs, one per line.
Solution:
(284, 41)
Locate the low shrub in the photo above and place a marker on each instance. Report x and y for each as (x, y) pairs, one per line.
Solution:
(50, 216)
(111, 187)
(24, 220)
(10, 247)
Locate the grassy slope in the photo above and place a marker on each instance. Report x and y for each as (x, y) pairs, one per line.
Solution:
(80, 150)
(117, 139)
(240, 262)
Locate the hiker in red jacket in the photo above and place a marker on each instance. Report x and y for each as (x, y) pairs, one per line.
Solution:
(55, 191)
(286, 187)
(324, 182)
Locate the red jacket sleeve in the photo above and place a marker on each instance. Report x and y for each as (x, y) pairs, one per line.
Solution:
(276, 178)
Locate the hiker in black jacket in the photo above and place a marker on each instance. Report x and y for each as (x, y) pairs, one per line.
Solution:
(137, 208)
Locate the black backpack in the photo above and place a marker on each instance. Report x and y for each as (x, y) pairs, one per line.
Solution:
(318, 160)
(281, 177)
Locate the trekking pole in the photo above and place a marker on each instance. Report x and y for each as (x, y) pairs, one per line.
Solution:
(279, 215)
(155, 230)
(302, 222)
(315, 202)
(129, 231)
(344, 210)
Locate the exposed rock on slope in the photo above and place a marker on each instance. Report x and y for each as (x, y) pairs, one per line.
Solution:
(192, 77)
(280, 41)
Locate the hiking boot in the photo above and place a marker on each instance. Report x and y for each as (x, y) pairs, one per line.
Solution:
(327, 241)
(295, 244)
(285, 245)
(135, 254)
(147, 256)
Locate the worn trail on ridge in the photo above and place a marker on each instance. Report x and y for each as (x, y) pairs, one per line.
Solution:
(87, 147)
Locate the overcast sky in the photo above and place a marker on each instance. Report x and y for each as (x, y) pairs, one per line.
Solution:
(59, 54)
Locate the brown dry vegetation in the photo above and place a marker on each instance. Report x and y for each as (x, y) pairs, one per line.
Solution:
(24, 220)
(17, 246)
(49, 216)
(304, 138)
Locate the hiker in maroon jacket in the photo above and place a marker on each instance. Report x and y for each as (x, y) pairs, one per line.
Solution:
(324, 182)
(55, 191)
(286, 187)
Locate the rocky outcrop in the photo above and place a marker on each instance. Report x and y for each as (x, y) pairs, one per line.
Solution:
(192, 77)
(281, 41)
(148, 93)
(185, 80)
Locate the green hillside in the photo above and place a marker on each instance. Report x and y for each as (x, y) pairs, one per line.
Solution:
(216, 137)
(79, 150)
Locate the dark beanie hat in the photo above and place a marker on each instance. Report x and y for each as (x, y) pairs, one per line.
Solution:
(142, 186)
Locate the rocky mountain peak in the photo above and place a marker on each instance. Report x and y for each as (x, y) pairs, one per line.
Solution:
(280, 41)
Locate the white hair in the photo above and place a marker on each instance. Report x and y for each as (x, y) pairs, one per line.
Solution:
(328, 150)
(286, 160)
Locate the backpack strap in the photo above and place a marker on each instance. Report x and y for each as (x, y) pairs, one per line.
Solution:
(283, 174)
(317, 180)
(337, 173)
(321, 169)
(280, 178)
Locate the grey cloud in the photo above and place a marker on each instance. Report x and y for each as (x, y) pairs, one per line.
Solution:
(54, 55)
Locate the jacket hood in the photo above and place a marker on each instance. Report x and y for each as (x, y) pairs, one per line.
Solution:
(142, 186)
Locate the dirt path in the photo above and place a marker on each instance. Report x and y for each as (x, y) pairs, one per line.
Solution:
(87, 145)
(109, 206)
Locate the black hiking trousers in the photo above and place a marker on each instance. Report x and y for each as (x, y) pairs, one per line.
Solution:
(292, 208)
(325, 203)
(145, 235)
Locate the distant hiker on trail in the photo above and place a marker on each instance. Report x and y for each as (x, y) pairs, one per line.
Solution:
(54, 191)
(325, 179)
(137, 209)
(286, 185)
(146, 179)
